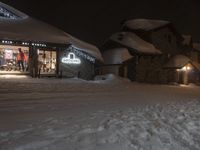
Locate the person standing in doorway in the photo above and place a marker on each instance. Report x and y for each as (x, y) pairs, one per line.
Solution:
(20, 59)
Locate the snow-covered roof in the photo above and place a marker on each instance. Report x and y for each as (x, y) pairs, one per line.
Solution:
(29, 29)
(131, 40)
(145, 24)
(25, 28)
(116, 56)
(88, 48)
(179, 61)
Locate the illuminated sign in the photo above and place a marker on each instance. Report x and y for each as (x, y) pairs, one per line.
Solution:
(71, 59)
(81, 53)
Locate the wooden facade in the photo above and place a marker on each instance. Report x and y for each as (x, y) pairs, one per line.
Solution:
(150, 67)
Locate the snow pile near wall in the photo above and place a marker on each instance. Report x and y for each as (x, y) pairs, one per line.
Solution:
(145, 24)
(111, 78)
(131, 40)
(116, 56)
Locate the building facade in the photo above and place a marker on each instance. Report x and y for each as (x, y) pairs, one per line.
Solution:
(29, 46)
(172, 63)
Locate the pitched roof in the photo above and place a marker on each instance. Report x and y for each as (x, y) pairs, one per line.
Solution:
(116, 56)
(25, 28)
(179, 61)
(145, 24)
(131, 40)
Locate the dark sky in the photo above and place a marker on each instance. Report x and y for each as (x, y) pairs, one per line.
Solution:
(95, 20)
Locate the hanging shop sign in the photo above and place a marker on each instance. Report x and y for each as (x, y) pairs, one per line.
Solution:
(71, 59)
(81, 53)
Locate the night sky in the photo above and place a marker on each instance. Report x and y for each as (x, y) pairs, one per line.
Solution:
(95, 20)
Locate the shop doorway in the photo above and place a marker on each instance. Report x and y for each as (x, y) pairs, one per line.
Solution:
(14, 59)
(47, 62)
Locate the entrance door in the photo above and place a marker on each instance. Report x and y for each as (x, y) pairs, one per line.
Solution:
(47, 61)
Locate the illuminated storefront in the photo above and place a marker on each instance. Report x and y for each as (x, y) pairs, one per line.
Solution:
(18, 57)
(10, 59)
(29, 46)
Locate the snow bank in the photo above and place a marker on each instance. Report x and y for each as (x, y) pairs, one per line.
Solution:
(111, 78)
(153, 127)
(78, 115)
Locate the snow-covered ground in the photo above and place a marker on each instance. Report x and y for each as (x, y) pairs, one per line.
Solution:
(113, 114)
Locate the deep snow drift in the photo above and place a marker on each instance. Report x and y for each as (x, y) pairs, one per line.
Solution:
(112, 114)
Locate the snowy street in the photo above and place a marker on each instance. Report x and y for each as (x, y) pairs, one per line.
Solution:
(113, 114)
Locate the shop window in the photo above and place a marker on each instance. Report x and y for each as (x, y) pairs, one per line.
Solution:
(47, 62)
(4, 13)
(12, 59)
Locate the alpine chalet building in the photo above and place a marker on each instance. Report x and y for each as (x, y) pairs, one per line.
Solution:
(30, 46)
